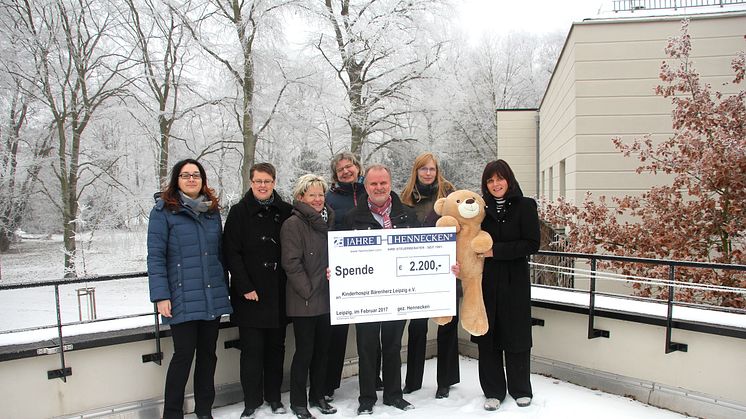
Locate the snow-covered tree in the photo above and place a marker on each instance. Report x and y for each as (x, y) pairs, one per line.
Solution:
(78, 69)
(211, 23)
(377, 49)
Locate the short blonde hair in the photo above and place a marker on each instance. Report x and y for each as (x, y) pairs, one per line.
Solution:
(307, 181)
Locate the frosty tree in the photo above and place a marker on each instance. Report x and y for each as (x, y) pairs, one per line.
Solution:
(699, 216)
(376, 54)
(208, 22)
(78, 69)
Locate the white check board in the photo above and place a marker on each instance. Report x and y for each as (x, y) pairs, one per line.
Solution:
(393, 274)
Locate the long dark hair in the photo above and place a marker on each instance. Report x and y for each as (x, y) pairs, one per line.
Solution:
(170, 194)
(502, 169)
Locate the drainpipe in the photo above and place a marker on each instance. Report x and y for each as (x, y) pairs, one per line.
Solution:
(538, 172)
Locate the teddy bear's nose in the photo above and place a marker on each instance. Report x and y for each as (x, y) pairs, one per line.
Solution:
(470, 201)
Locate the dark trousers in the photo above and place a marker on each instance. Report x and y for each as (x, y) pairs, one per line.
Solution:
(492, 376)
(310, 359)
(336, 359)
(369, 336)
(262, 356)
(198, 336)
(448, 368)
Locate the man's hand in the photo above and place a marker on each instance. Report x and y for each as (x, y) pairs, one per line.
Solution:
(253, 296)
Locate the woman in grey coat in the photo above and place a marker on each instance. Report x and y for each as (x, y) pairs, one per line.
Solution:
(305, 260)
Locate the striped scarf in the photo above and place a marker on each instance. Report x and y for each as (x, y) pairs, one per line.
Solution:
(384, 211)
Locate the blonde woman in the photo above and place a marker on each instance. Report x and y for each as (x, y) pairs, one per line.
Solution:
(426, 185)
(305, 260)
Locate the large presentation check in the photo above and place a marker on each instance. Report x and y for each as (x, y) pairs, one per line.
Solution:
(380, 275)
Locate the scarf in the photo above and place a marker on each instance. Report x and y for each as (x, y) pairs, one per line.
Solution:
(384, 211)
(348, 189)
(324, 214)
(266, 202)
(500, 207)
(197, 205)
(425, 191)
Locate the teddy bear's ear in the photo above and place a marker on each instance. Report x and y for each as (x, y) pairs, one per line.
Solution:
(438, 207)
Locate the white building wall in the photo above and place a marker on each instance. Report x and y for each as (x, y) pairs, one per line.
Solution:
(516, 144)
(603, 87)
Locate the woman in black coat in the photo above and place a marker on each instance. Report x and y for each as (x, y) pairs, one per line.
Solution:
(426, 185)
(251, 242)
(513, 223)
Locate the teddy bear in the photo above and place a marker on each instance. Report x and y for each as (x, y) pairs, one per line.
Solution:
(465, 210)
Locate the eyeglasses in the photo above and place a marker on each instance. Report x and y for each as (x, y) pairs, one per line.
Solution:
(186, 176)
(427, 169)
(262, 182)
(345, 167)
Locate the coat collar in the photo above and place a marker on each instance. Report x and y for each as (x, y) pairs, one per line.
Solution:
(363, 214)
(254, 207)
(313, 218)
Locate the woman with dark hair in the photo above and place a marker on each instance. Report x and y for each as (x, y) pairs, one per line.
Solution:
(252, 253)
(426, 185)
(187, 282)
(305, 259)
(513, 223)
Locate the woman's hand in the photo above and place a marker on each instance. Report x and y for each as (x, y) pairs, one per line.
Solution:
(164, 308)
(456, 269)
(487, 254)
(252, 296)
(328, 273)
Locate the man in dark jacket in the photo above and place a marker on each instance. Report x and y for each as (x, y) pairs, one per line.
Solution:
(383, 209)
(251, 242)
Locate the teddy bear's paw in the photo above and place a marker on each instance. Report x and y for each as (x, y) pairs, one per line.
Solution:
(475, 326)
(442, 321)
(482, 242)
(448, 221)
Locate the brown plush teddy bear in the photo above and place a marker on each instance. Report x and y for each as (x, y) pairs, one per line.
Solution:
(465, 210)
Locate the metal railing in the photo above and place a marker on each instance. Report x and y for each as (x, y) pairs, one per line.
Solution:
(638, 5)
(63, 346)
(671, 283)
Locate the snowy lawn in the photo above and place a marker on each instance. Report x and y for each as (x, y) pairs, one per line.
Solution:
(105, 252)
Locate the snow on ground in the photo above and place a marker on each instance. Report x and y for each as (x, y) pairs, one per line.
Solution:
(104, 252)
(38, 260)
(552, 399)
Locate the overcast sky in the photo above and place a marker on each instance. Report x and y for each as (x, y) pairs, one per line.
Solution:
(535, 16)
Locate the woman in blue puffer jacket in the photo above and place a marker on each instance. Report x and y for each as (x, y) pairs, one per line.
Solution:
(188, 282)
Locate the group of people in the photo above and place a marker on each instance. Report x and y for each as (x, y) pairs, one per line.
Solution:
(275, 254)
